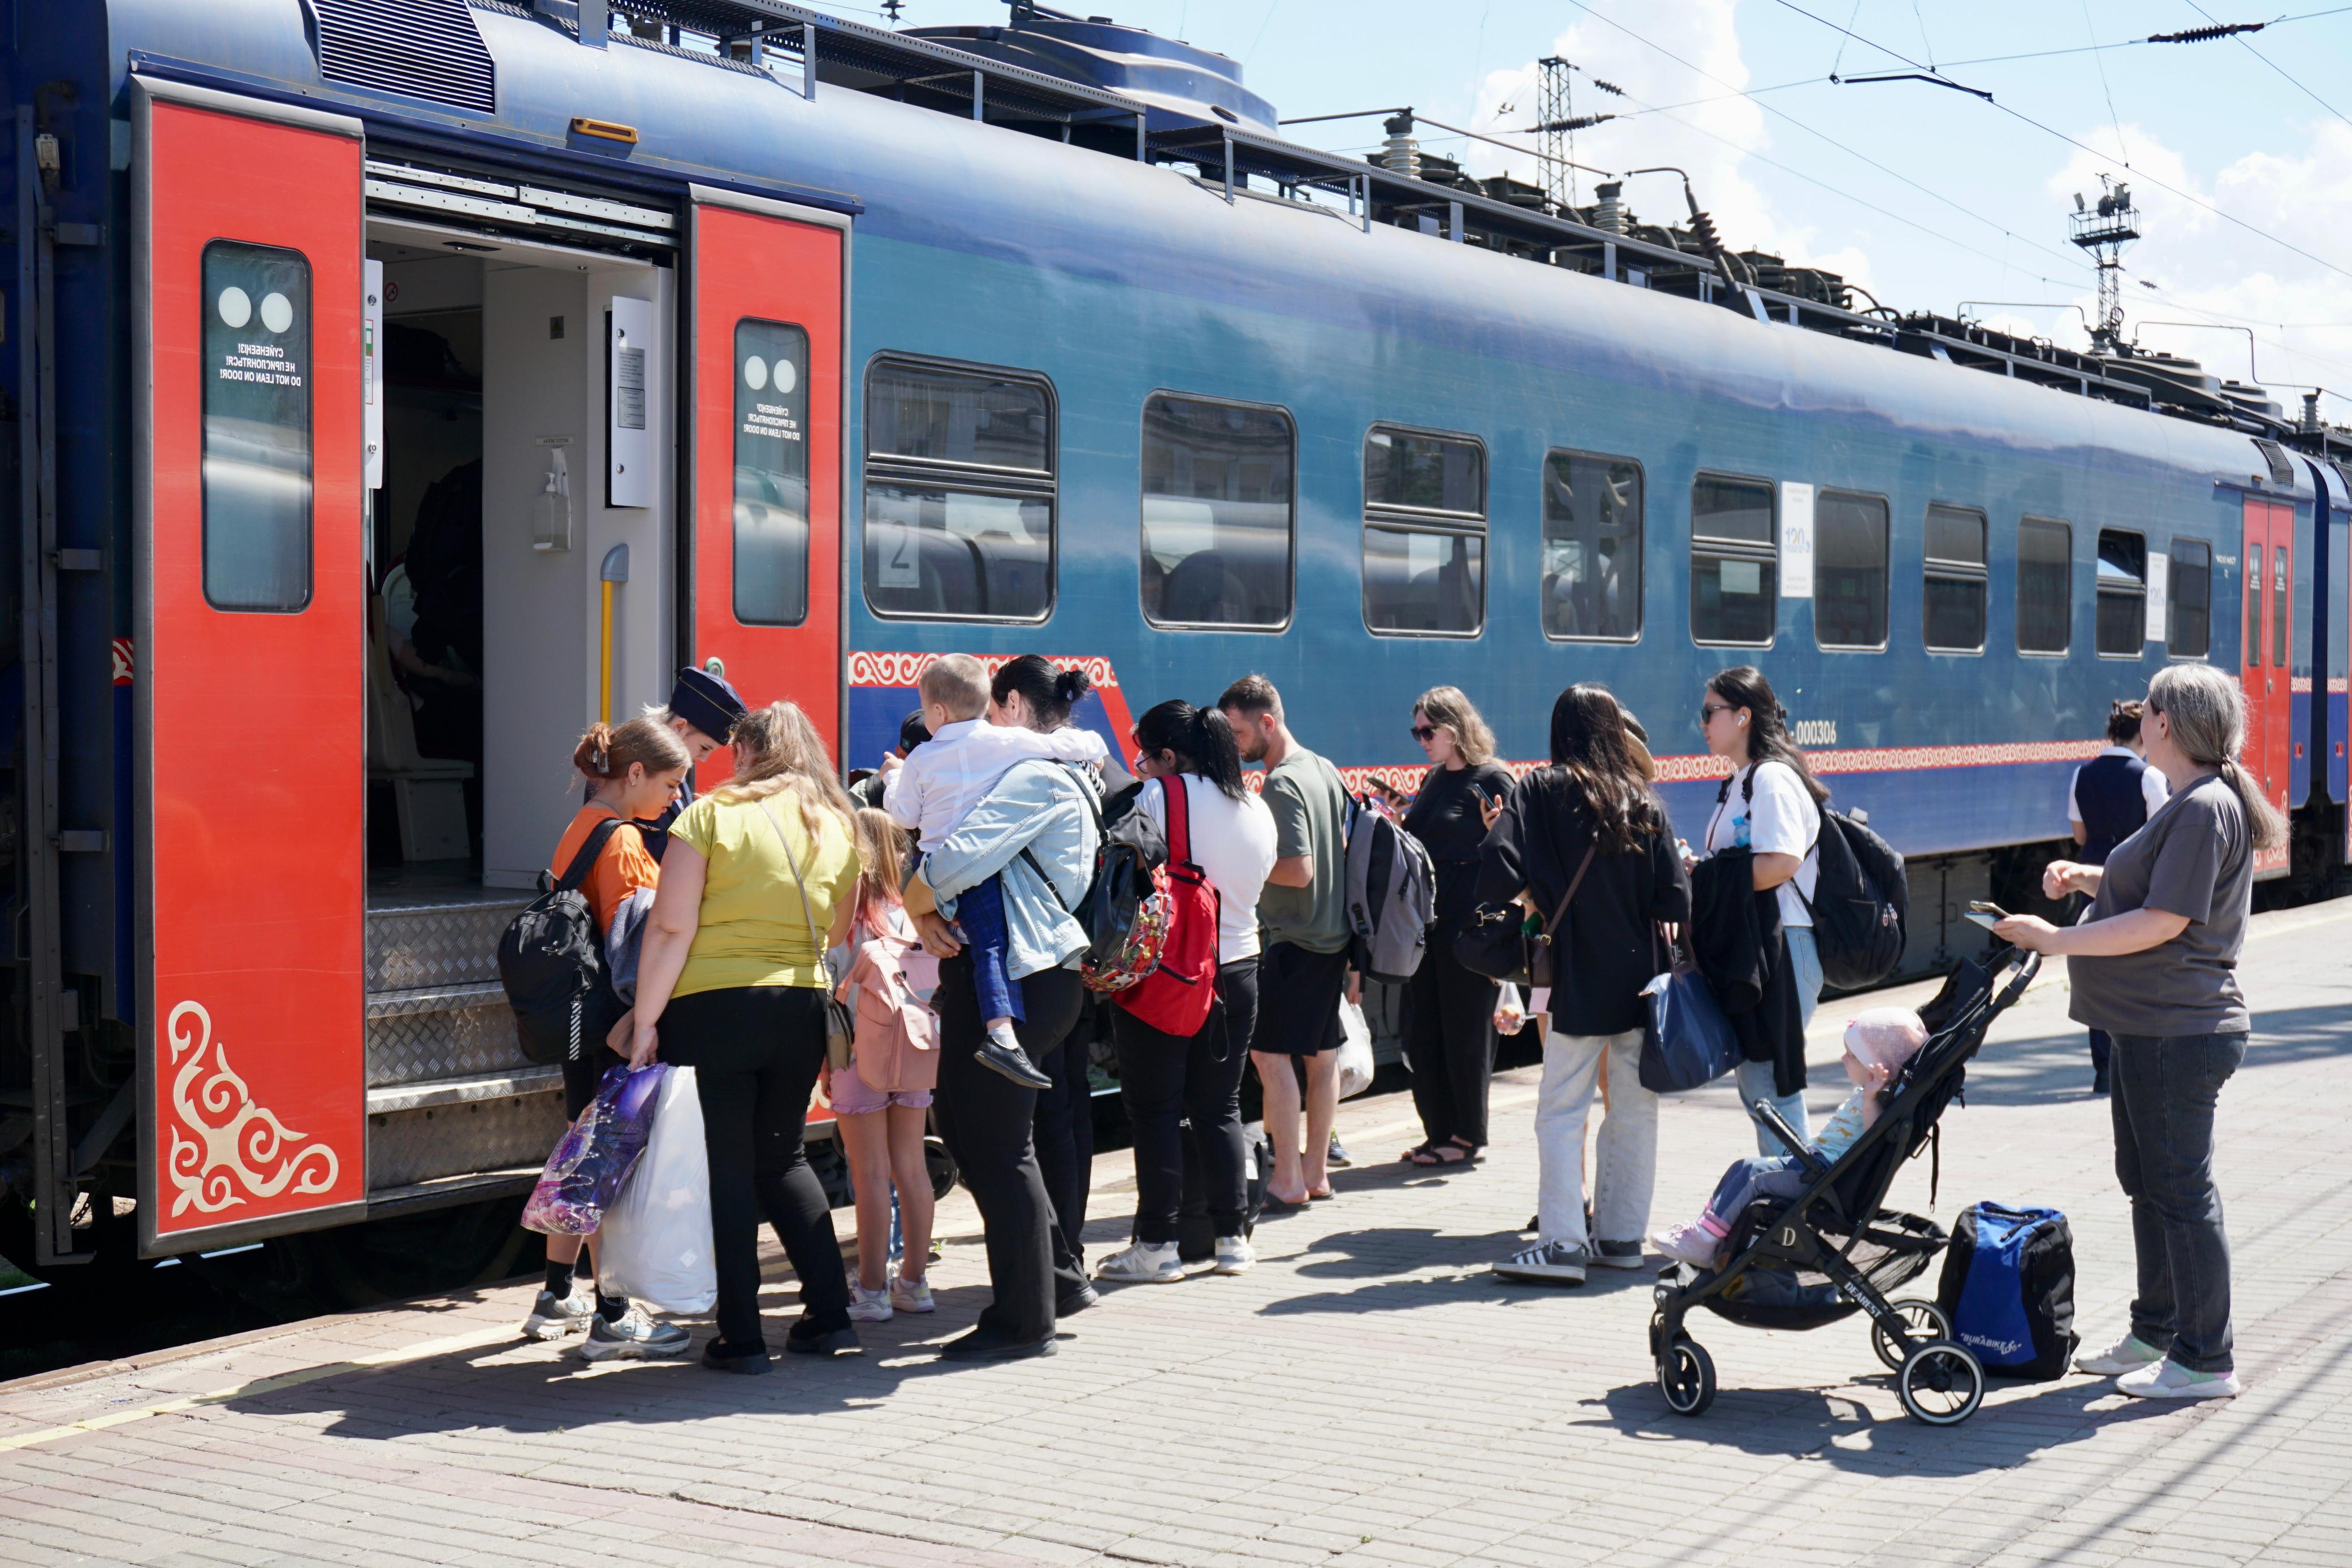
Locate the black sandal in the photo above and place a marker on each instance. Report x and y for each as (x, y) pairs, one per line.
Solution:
(1425, 1155)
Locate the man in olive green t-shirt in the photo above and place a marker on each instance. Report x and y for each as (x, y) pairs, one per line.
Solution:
(1302, 969)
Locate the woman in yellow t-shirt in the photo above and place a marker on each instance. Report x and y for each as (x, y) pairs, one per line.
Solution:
(634, 772)
(756, 885)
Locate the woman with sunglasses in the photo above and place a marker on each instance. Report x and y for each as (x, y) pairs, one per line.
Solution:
(1770, 807)
(1449, 1010)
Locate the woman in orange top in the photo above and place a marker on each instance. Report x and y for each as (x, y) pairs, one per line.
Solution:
(634, 772)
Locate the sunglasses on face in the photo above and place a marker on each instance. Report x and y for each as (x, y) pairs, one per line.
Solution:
(1424, 732)
(1707, 711)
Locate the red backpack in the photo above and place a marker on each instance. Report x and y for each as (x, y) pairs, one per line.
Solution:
(1176, 995)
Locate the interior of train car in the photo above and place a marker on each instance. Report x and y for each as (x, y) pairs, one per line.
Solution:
(521, 526)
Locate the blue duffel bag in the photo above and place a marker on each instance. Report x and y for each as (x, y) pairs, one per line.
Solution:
(1686, 1041)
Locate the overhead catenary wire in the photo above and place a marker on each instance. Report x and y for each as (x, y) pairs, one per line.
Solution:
(2026, 118)
(2236, 38)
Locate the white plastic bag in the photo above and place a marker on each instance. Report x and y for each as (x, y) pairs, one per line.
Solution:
(1355, 1050)
(654, 1246)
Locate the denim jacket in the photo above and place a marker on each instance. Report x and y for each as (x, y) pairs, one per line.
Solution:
(1048, 808)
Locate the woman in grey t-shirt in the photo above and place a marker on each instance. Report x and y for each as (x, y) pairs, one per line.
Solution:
(2155, 966)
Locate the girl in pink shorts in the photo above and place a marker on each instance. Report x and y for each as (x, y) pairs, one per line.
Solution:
(882, 1099)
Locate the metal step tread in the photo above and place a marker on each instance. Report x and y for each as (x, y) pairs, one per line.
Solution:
(435, 998)
(433, 1091)
(441, 1191)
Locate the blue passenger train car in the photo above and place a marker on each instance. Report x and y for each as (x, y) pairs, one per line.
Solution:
(394, 399)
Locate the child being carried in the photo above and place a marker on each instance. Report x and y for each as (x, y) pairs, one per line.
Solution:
(1878, 1042)
(932, 791)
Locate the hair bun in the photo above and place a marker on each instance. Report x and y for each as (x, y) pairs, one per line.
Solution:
(1071, 685)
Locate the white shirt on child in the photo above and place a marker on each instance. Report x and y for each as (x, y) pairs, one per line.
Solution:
(948, 774)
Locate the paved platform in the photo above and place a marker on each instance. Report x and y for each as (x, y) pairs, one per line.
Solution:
(1368, 1395)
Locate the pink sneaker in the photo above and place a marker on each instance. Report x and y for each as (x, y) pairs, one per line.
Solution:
(1692, 1244)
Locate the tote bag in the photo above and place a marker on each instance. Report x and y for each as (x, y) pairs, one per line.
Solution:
(1686, 1041)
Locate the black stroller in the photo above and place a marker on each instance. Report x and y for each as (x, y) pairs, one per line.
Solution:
(1802, 1262)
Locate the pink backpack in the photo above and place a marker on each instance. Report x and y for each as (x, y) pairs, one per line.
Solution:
(897, 1036)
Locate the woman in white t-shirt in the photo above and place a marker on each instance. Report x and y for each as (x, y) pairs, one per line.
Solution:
(1163, 1078)
(1770, 807)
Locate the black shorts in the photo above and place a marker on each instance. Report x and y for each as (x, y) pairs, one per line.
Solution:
(581, 1077)
(1298, 997)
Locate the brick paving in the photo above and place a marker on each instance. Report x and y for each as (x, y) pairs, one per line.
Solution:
(1368, 1395)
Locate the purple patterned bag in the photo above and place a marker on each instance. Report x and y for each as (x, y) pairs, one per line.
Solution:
(596, 1153)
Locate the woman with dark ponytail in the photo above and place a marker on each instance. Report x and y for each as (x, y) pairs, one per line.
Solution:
(2155, 966)
(1769, 807)
(1163, 1078)
(635, 772)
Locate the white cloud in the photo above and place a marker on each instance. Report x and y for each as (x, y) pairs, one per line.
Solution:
(1711, 140)
(2299, 311)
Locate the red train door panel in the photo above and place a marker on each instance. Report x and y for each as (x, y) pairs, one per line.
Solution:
(766, 376)
(2266, 630)
(249, 750)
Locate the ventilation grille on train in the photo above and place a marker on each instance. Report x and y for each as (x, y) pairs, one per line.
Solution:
(421, 48)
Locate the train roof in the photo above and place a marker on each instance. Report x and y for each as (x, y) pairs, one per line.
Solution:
(812, 124)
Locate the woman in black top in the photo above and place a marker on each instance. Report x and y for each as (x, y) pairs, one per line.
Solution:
(1592, 802)
(1449, 1011)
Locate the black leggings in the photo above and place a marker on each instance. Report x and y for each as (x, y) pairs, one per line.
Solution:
(755, 1051)
(986, 1119)
(1165, 1078)
(1065, 1128)
(1449, 1043)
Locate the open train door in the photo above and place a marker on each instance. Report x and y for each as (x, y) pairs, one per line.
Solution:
(2265, 633)
(766, 369)
(249, 732)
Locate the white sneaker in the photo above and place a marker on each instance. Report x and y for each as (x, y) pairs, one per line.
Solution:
(1142, 1264)
(911, 1295)
(2169, 1380)
(869, 1306)
(2128, 1354)
(1554, 1262)
(634, 1336)
(553, 1316)
(1235, 1255)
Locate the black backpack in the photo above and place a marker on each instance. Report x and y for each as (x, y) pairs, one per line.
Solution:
(1861, 899)
(552, 966)
(2008, 1289)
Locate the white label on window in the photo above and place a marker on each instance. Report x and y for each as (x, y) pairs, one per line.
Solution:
(902, 561)
(1741, 576)
(1796, 544)
(2160, 573)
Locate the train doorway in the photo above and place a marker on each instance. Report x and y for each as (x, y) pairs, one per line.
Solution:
(2267, 674)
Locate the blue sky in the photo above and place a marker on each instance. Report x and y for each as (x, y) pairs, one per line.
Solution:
(1925, 195)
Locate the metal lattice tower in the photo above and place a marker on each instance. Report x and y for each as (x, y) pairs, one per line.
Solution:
(2104, 232)
(1557, 142)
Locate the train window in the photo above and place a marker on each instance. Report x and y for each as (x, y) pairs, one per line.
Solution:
(1219, 512)
(1850, 572)
(1424, 533)
(1952, 606)
(2282, 605)
(959, 491)
(2046, 586)
(772, 526)
(256, 403)
(2122, 623)
(2252, 635)
(1592, 547)
(1735, 564)
(2188, 621)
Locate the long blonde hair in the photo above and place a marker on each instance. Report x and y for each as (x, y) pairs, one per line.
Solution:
(1448, 707)
(2206, 712)
(881, 865)
(778, 752)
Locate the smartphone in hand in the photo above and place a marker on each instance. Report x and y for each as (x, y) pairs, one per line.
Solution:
(1985, 915)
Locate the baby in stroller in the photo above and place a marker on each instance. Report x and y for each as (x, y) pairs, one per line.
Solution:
(1878, 1044)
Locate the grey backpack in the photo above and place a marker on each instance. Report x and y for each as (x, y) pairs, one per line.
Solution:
(1392, 895)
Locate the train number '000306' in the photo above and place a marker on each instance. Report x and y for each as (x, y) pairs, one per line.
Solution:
(1817, 732)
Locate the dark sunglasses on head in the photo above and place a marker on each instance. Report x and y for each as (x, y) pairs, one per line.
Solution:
(1422, 732)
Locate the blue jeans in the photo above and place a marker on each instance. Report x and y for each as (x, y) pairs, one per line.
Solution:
(1748, 1180)
(1755, 1078)
(2164, 1090)
(980, 911)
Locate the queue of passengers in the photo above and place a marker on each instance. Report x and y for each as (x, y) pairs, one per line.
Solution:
(752, 886)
